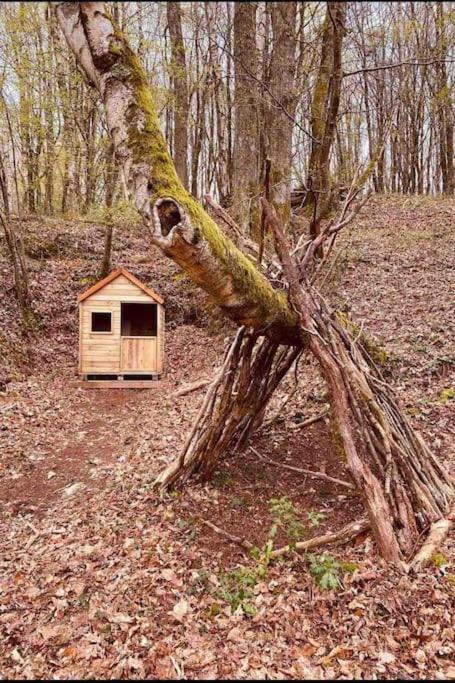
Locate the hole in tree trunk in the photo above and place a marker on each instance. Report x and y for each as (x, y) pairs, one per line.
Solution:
(169, 214)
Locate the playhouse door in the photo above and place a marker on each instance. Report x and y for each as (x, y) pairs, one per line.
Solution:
(138, 354)
(138, 337)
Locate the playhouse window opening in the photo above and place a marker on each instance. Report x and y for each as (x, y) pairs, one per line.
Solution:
(101, 322)
(139, 320)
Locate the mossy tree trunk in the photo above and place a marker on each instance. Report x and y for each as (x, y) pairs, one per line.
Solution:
(176, 221)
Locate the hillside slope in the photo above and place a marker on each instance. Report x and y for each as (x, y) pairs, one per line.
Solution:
(63, 257)
(100, 578)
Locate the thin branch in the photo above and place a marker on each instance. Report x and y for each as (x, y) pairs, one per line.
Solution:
(199, 384)
(301, 470)
(397, 65)
(235, 539)
(310, 421)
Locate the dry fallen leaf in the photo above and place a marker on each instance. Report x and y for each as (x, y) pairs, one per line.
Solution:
(120, 619)
(180, 610)
(386, 657)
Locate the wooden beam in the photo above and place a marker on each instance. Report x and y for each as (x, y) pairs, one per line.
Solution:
(116, 384)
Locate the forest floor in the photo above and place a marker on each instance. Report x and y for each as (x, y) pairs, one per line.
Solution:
(100, 578)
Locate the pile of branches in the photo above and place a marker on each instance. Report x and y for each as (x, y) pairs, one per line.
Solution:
(407, 492)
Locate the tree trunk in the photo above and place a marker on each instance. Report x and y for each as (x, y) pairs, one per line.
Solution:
(21, 284)
(176, 221)
(90, 150)
(282, 105)
(180, 91)
(324, 112)
(444, 107)
(49, 113)
(111, 168)
(4, 185)
(13, 153)
(245, 200)
(220, 140)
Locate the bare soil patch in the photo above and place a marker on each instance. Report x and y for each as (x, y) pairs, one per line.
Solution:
(243, 485)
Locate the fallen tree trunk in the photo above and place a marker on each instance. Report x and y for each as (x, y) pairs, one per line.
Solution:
(177, 222)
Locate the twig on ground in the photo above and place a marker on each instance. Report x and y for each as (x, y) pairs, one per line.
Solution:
(235, 539)
(310, 421)
(347, 533)
(191, 387)
(301, 470)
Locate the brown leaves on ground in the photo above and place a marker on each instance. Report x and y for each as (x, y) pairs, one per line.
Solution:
(113, 582)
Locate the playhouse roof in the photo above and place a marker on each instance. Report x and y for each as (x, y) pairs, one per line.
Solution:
(112, 276)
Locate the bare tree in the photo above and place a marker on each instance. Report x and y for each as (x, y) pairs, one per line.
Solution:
(180, 91)
(245, 205)
(324, 112)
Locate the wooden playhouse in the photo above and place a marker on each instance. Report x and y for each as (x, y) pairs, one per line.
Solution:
(121, 332)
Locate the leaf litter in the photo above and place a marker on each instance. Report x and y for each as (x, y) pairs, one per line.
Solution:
(114, 581)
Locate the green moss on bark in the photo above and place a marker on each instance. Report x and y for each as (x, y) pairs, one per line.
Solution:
(148, 145)
(336, 438)
(377, 352)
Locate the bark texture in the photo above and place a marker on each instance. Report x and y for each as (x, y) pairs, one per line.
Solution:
(177, 222)
(245, 200)
(180, 88)
(282, 105)
(324, 111)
